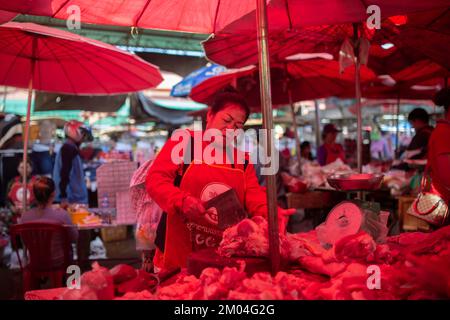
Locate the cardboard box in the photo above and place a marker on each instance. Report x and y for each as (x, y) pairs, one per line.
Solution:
(111, 234)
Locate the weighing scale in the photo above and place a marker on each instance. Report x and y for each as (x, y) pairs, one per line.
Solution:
(351, 216)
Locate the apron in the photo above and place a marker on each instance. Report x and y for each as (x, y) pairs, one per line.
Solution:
(204, 182)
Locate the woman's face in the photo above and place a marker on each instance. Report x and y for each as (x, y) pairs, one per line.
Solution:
(21, 167)
(231, 117)
(331, 137)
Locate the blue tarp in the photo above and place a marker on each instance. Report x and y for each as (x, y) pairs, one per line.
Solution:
(184, 87)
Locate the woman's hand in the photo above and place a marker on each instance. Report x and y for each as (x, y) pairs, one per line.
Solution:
(283, 218)
(192, 208)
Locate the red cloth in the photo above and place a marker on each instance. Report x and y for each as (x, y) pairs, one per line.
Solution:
(160, 185)
(439, 144)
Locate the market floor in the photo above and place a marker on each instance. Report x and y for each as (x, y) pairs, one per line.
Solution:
(117, 252)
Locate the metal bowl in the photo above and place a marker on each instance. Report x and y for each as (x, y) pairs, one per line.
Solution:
(355, 181)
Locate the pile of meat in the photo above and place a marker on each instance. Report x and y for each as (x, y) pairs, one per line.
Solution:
(316, 176)
(103, 284)
(408, 266)
(249, 239)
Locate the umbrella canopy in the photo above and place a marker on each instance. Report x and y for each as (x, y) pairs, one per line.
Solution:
(42, 58)
(235, 45)
(307, 80)
(419, 81)
(200, 16)
(6, 16)
(184, 87)
(68, 63)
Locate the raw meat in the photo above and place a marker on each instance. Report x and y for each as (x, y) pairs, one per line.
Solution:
(122, 273)
(355, 247)
(143, 295)
(304, 244)
(143, 281)
(249, 238)
(100, 281)
(85, 293)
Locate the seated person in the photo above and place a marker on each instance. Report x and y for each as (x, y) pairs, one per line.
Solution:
(44, 193)
(305, 149)
(330, 151)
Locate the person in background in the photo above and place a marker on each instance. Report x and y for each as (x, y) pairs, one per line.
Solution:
(330, 151)
(439, 149)
(305, 149)
(419, 120)
(43, 150)
(44, 192)
(15, 190)
(68, 172)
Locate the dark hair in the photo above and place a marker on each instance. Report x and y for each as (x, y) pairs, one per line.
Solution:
(419, 114)
(222, 99)
(442, 98)
(43, 189)
(304, 145)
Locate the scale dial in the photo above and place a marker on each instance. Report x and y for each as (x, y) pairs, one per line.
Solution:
(343, 220)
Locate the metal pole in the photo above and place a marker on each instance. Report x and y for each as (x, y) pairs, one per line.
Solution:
(4, 100)
(27, 126)
(359, 148)
(397, 125)
(317, 118)
(266, 105)
(294, 124)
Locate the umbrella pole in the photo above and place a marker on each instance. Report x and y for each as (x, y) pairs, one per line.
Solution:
(317, 122)
(25, 145)
(294, 124)
(397, 127)
(27, 128)
(266, 104)
(359, 147)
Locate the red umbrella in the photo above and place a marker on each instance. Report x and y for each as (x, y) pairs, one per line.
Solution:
(63, 62)
(47, 59)
(200, 16)
(291, 33)
(292, 81)
(209, 16)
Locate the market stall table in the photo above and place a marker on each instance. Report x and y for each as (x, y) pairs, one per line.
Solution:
(84, 240)
(317, 201)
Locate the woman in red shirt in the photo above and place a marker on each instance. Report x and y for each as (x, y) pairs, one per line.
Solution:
(203, 179)
(439, 149)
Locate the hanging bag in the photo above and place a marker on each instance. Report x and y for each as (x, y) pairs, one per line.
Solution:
(428, 206)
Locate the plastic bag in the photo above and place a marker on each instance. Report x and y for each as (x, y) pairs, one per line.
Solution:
(98, 250)
(148, 212)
